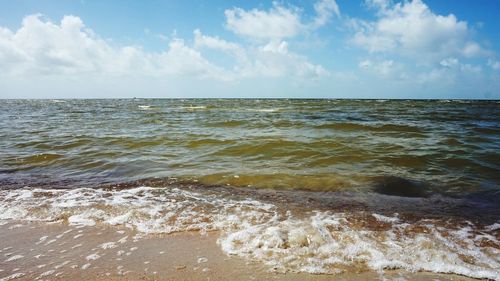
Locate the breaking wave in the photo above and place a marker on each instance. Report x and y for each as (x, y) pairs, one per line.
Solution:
(313, 241)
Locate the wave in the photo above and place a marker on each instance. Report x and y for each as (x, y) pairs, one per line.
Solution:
(228, 123)
(348, 126)
(264, 109)
(313, 241)
(41, 158)
(193, 107)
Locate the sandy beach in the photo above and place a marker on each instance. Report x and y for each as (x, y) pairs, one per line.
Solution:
(36, 251)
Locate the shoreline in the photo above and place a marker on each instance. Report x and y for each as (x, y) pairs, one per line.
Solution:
(57, 251)
(76, 229)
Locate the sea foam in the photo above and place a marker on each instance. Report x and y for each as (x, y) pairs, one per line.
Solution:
(323, 242)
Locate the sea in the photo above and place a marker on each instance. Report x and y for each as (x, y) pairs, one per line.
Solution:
(300, 185)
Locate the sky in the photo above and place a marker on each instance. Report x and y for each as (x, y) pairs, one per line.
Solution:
(250, 49)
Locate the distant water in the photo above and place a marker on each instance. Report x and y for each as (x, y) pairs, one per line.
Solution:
(320, 186)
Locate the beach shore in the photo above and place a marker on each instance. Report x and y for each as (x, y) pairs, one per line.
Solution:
(58, 251)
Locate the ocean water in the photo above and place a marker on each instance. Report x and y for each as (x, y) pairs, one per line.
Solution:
(319, 186)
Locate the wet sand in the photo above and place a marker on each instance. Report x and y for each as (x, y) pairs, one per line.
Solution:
(56, 251)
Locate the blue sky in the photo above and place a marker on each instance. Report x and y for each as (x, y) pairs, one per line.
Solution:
(307, 49)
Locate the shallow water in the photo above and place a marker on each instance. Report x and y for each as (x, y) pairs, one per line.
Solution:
(446, 146)
(319, 186)
(283, 236)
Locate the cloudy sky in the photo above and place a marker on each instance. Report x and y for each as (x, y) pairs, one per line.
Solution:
(296, 48)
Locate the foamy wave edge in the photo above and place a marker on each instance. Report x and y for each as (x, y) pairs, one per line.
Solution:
(320, 242)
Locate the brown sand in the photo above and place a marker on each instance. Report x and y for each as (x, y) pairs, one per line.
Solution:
(40, 251)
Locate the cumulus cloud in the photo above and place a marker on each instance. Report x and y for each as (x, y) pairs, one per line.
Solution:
(279, 22)
(272, 59)
(383, 68)
(212, 42)
(180, 59)
(449, 62)
(455, 64)
(448, 69)
(494, 64)
(42, 47)
(324, 11)
(411, 29)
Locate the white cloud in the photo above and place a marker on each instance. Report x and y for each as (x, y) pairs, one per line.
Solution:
(269, 60)
(411, 29)
(279, 22)
(449, 62)
(324, 11)
(380, 5)
(210, 42)
(383, 68)
(274, 59)
(277, 47)
(494, 64)
(180, 59)
(41, 47)
(44, 47)
(455, 64)
(471, 69)
(473, 49)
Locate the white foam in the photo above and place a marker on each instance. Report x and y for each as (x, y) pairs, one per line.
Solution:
(50, 242)
(317, 242)
(13, 276)
(15, 257)
(64, 233)
(385, 218)
(61, 264)
(122, 240)
(16, 226)
(495, 226)
(326, 242)
(85, 266)
(193, 107)
(42, 239)
(108, 245)
(45, 274)
(80, 220)
(92, 257)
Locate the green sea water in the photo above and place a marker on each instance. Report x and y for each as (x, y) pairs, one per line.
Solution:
(327, 145)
